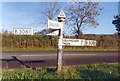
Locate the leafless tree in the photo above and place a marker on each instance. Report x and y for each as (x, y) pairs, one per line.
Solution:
(51, 10)
(82, 14)
(116, 22)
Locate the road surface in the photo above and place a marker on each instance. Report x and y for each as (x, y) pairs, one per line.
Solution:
(43, 59)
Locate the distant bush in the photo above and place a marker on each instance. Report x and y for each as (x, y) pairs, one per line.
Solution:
(28, 41)
(35, 41)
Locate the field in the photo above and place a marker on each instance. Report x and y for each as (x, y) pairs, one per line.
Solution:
(89, 72)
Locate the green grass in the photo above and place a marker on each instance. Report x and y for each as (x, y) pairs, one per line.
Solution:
(28, 49)
(87, 72)
(55, 49)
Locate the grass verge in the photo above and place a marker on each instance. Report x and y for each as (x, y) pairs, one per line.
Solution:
(89, 72)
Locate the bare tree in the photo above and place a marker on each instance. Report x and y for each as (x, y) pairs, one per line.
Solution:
(82, 14)
(51, 10)
(116, 22)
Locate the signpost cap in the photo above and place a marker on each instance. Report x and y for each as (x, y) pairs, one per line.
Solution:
(61, 14)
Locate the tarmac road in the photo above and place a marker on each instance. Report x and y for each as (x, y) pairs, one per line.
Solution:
(43, 59)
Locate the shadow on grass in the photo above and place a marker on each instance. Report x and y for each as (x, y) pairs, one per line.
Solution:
(49, 70)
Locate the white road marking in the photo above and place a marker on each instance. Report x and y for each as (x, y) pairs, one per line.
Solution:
(63, 54)
(40, 55)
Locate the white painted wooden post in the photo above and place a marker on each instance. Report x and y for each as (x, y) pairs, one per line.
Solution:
(61, 19)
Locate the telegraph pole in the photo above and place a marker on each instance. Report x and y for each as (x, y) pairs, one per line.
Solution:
(61, 19)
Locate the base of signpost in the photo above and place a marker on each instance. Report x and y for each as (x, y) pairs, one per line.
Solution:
(59, 59)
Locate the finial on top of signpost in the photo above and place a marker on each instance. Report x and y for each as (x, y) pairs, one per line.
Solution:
(61, 16)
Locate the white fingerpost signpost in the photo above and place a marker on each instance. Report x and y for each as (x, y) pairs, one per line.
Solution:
(61, 19)
(56, 28)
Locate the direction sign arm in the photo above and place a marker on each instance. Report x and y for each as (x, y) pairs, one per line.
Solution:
(46, 31)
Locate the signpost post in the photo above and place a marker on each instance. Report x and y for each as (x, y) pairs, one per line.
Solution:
(61, 19)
